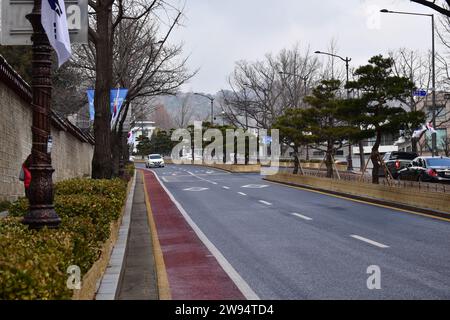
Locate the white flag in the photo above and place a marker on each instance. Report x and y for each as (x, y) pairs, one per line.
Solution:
(419, 132)
(54, 21)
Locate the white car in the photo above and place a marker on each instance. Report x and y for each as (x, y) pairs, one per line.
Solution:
(154, 160)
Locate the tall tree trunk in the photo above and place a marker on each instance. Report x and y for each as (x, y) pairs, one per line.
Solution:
(329, 159)
(374, 156)
(115, 150)
(362, 159)
(414, 145)
(101, 162)
(296, 161)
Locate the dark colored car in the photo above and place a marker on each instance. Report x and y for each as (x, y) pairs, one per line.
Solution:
(396, 161)
(427, 169)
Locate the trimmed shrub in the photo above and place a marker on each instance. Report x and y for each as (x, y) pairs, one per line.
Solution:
(4, 205)
(33, 263)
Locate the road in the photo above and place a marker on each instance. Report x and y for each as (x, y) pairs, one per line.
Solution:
(288, 243)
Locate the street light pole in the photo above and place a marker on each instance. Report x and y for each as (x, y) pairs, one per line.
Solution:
(347, 65)
(42, 211)
(433, 71)
(212, 105)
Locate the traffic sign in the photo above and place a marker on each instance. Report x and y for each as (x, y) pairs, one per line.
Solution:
(420, 93)
(17, 30)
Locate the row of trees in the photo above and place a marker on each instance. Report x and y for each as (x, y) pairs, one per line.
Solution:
(329, 121)
(128, 48)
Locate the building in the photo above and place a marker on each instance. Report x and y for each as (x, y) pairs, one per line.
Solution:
(142, 128)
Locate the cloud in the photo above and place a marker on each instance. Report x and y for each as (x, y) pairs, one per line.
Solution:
(217, 33)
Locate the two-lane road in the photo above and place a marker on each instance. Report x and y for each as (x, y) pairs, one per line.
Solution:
(288, 243)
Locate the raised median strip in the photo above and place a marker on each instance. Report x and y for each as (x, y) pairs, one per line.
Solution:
(427, 203)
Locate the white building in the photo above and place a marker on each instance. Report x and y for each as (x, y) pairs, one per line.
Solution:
(142, 128)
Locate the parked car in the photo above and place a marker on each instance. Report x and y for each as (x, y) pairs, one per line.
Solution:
(154, 160)
(396, 161)
(427, 169)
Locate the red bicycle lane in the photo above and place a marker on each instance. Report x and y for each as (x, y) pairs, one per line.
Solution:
(192, 272)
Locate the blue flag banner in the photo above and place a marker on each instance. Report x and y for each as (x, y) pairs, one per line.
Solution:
(90, 94)
(117, 97)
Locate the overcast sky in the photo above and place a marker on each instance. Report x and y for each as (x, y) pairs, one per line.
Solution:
(216, 33)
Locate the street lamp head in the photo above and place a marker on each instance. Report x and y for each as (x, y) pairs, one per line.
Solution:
(317, 52)
(384, 11)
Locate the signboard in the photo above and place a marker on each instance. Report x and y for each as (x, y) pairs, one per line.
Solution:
(17, 30)
(420, 93)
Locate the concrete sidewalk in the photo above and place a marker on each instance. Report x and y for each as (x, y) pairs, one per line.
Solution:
(138, 277)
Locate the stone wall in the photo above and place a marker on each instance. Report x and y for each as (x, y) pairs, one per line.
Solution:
(72, 149)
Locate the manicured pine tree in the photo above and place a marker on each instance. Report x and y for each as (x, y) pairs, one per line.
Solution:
(379, 105)
(293, 132)
(326, 120)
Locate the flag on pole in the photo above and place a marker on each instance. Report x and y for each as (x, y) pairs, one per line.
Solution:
(117, 97)
(430, 128)
(54, 22)
(417, 133)
(426, 127)
(90, 94)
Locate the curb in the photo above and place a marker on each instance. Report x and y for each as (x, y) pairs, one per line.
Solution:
(402, 207)
(161, 273)
(111, 278)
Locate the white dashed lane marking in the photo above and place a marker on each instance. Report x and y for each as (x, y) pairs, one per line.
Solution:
(298, 215)
(265, 202)
(374, 243)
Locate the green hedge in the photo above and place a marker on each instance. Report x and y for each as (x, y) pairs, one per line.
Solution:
(33, 263)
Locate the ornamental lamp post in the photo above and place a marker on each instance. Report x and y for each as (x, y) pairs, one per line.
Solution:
(42, 211)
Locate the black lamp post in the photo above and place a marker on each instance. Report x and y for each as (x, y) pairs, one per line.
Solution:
(347, 62)
(212, 105)
(433, 66)
(42, 211)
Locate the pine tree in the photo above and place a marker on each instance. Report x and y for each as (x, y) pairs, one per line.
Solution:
(327, 122)
(380, 107)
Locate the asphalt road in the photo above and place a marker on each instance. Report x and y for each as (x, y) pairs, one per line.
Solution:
(288, 243)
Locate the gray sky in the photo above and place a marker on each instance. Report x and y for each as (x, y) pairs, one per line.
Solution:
(217, 33)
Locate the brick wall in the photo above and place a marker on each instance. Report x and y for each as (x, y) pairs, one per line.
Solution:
(72, 150)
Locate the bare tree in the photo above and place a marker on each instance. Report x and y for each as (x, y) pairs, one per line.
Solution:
(184, 115)
(262, 90)
(140, 62)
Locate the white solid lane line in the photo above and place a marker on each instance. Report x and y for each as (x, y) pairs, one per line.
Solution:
(374, 243)
(302, 216)
(242, 194)
(265, 202)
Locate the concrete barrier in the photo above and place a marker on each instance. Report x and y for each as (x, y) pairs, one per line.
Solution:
(237, 168)
(402, 197)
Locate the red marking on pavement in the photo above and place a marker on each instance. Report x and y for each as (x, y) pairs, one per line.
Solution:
(192, 274)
